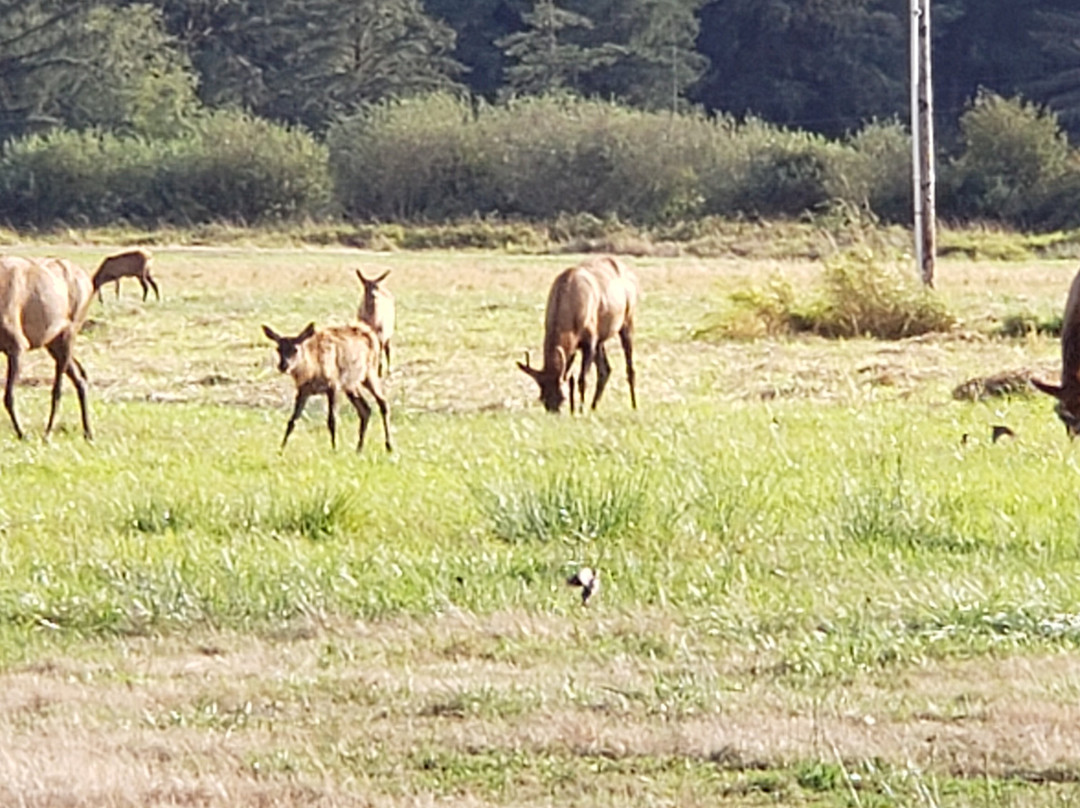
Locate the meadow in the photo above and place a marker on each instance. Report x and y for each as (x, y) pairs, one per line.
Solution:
(822, 582)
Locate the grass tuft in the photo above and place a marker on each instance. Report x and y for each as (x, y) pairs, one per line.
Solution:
(318, 516)
(566, 507)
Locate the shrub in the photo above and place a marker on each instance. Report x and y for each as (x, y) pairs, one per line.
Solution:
(875, 171)
(863, 292)
(235, 166)
(228, 166)
(1012, 150)
(866, 294)
(410, 159)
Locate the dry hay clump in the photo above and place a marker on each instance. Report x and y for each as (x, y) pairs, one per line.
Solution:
(1005, 383)
(863, 292)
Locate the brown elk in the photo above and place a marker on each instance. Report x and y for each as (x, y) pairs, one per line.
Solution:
(377, 310)
(130, 264)
(1068, 392)
(586, 306)
(43, 304)
(330, 360)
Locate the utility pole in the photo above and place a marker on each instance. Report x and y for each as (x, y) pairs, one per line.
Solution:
(922, 141)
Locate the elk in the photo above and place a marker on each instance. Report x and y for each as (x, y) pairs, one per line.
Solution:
(1068, 392)
(377, 310)
(43, 304)
(587, 305)
(330, 360)
(130, 264)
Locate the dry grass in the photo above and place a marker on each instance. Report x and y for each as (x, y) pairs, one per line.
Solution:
(235, 720)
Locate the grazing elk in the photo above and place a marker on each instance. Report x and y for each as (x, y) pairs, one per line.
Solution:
(586, 306)
(43, 304)
(331, 360)
(1068, 392)
(377, 310)
(130, 264)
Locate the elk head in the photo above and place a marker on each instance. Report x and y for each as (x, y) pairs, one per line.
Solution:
(371, 284)
(287, 346)
(1068, 404)
(551, 380)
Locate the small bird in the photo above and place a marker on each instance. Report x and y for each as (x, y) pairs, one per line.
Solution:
(588, 580)
(1001, 432)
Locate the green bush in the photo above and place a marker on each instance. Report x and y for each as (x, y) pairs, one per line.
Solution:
(875, 172)
(411, 159)
(1012, 152)
(864, 292)
(867, 294)
(228, 166)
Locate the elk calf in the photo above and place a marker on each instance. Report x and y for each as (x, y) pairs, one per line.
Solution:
(377, 310)
(130, 264)
(1068, 392)
(43, 304)
(586, 306)
(329, 360)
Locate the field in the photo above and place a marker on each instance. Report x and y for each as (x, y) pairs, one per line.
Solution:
(823, 583)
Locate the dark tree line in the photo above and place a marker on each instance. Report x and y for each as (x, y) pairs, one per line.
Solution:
(827, 66)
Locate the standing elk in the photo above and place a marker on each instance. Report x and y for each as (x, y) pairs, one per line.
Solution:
(377, 310)
(43, 304)
(130, 264)
(586, 306)
(1068, 392)
(331, 360)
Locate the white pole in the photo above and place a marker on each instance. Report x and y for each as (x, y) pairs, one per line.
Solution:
(926, 150)
(916, 140)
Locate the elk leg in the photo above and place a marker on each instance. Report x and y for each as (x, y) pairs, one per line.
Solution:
(60, 350)
(77, 375)
(588, 353)
(9, 390)
(331, 416)
(386, 350)
(117, 284)
(363, 409)
(569, 376)
(603, 371)
(384, 409)
(298, 408)
(145, 288)
(153, 286)
(626, 334)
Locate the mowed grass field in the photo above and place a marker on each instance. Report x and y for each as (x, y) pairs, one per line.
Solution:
(822, 582)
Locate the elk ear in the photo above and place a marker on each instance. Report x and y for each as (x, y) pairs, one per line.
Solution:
(1049, 389)
(271, 333)
(307, 333)
(531, 371)
(360, 275)
(382, 277)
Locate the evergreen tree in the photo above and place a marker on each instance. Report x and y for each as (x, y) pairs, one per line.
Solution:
(828, 66)
(545, 58)
(1058, 33)
(36, 38)
(660, 62)
(308, 60)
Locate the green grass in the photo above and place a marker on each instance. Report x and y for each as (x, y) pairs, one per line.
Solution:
(776, 525)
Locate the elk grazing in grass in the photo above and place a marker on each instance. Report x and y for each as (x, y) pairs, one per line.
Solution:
(377, 310)
(43, 304)
(330, 360)
(586, 306)
(1068, 392)
(130, 264)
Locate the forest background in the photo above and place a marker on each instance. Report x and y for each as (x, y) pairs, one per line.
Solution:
(646, 111)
